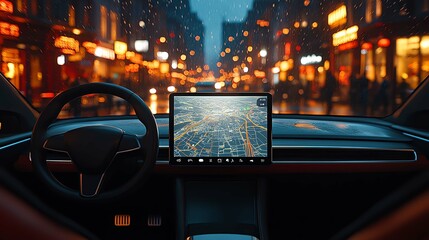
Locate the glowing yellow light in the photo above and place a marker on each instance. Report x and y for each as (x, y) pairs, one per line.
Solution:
(345, 36)
(249, 59)
(284, 66)
(296, 24)
(219, 64)
(76, 31)
(320, 69)
(228, 50)
(304, 24)
(199, 70)
(120, 47)
(66, 43)
(153, 97)
(245, 33)
(326, 65)
(249, 48)
(315, 25)
(183, 57)
(192, 52)
(285, 31)
(275, 70)
(235, 58)
(162, 39)
(222, 54)
(230, 38)
(218, 86)
(338, 16)
(164, 67)
(263, 23)
(197, 38)
(193, 89)
(206, 67)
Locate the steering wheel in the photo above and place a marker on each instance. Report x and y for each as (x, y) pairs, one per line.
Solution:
(93, 148)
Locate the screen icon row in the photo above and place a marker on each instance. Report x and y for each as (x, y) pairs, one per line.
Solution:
(217, 161)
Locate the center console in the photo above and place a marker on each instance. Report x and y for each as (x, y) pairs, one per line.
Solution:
(217, 131)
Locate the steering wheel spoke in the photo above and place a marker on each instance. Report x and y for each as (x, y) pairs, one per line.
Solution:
(90, 184)
(128, 143)
(55, 143)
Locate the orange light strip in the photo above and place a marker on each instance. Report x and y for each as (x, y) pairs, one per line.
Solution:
(67, 43)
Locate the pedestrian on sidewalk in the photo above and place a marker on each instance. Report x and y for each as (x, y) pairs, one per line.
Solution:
(328, 91)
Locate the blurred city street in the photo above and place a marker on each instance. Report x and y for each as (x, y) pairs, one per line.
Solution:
(159, 104)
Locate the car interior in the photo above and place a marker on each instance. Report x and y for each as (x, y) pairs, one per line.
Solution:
(123, 177)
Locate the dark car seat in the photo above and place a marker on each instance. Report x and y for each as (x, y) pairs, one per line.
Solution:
(24, 216)
(404, 214)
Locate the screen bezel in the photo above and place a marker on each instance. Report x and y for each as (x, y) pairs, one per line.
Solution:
(267, 159)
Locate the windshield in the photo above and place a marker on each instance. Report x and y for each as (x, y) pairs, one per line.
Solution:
(324, 57)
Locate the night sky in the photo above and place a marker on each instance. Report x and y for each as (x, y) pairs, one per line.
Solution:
(212, 13)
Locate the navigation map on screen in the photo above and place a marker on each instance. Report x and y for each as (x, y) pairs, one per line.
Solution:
(220, 129)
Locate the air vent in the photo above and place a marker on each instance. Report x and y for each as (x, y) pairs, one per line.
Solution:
(123, 220)
(309, 154)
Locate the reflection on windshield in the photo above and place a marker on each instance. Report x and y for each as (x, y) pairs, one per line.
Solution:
(358, 57)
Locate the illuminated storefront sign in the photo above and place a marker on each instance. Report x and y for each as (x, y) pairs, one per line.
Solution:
(104, 53)
(345, 36)
(6, 6)
(67, 45)
(8, 29)
(338, 16)
(311, 59)
(120, 48)
(141, 45)
(134, 57)
(259, 74)
(89, 46)
(367, 46)
(132, 68)
(384, 42)
(349, 45)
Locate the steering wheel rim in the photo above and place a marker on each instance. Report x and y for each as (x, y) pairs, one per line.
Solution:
(49, 115)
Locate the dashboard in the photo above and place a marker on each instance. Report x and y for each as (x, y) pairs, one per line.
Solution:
(299, 144)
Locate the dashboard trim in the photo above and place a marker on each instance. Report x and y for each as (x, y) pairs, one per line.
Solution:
(416, 137)
(14, 144)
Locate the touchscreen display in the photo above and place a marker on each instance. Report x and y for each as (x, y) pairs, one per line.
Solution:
(226, 129)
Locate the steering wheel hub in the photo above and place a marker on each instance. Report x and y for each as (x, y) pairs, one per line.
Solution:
(93, 148)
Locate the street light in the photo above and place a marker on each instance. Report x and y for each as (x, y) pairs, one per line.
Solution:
(61, 60)
(162, 56)
(263, 53)
(174, 64)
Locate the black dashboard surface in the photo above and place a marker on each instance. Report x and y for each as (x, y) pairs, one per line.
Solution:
(320, 129)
